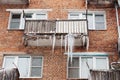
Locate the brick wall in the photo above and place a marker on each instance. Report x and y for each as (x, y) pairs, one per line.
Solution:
(55, 63)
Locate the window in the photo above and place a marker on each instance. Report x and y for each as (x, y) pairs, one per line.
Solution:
(17, 20)
(74, 16)
(80, 66)
(96, 20)
(41, 16)
(29, 66)
(99, 22)
(28, 15)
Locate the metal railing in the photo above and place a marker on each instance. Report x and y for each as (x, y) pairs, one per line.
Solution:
(105, 75)
(101, 1)
(14, 1)
(56, 26)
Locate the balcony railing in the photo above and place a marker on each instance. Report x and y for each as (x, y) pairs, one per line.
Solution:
(14, 1)
(102, 3)
(56, 26)
(44, 32)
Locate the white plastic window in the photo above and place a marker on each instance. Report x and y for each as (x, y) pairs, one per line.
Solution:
(29, 66)
(15, 21)
(80, 66)
(96, 21)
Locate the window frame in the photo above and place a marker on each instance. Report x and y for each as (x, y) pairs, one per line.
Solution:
(16, 64)
(22, 20)
(80, 63)
(10, 19)
(80, 13)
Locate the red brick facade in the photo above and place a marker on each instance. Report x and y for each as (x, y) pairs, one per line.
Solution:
(54, 67)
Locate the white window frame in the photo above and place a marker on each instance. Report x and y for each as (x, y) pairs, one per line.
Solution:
(10, 18)
(79, 17)
(94, 64)
(80, 13)
(34, 11)
(16, 63)
(35, 16)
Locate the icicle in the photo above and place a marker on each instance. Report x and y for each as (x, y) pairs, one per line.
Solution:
(50, 37)
(70, 45)
(65, 42)
(87, 44)
(53, 44)
(83, 40)
(61, 42)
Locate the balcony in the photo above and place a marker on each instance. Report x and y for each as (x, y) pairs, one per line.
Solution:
(14, 1)
(102, 3)
(41, 32)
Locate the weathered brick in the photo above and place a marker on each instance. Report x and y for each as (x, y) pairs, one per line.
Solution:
(55, 63)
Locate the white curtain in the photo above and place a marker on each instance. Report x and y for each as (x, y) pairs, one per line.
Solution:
(23, 66)
(9, 62)
(86, 65)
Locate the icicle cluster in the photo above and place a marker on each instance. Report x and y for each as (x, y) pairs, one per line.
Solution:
(69, 44)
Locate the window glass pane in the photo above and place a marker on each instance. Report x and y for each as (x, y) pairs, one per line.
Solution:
(101, 63)
(99, 22)
(16, 16)
(9, 62)
(99, 26)
(28, 15)
(73, 73)
(14, 25)
(75, 62)
(74, 16)
(90, 20)
(36, 61)
(15, 21)
(41, 16)
(36, 71)
(23, 66)
(99, 18)
(86, 65)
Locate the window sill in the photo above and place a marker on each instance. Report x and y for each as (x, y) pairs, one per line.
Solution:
(15, 29)
(97, 30)
(78, 79)
(30, 77)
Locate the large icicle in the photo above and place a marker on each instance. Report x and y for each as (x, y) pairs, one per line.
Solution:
(70, 45)
(53, 43)
(61, 42)
(87, 44)
(65, 43)
(83, 40)
(69, 41)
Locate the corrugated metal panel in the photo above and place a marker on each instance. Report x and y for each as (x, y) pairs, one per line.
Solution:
(71, 27)
(44, 26)
(14, 1)
(105, 75)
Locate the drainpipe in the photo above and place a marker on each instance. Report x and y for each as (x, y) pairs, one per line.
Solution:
(117, 18)
(118, 26)
(87, 36)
